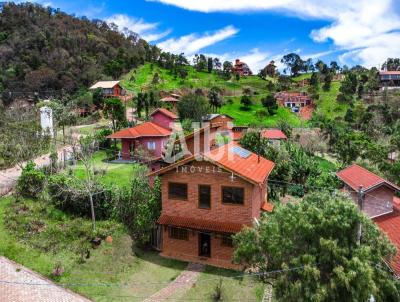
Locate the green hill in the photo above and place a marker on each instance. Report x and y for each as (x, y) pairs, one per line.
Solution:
(142, 78)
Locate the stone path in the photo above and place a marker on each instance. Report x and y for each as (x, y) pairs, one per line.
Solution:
(267, 293)
(19, 284)
(182, 283)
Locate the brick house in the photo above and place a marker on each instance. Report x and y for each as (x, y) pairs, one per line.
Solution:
(205, 200)
(380, 203)
(241, 68)
(151, 136)
(293, 99)
(389, 79)
(109, 88)
(379, 193)
(171, 102)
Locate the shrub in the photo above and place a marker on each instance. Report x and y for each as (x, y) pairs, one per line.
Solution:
(101, 137)
(31, 182)
(71, 197)
(262, 113)
(245, 100)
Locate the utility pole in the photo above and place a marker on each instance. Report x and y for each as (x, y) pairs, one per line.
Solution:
(360, 201)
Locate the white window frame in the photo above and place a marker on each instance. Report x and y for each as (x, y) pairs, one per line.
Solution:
(151, 145)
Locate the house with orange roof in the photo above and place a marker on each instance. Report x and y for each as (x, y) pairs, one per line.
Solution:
(150, 136)
(209, 197)
(379, 193)
(389, 79)
(380, 203)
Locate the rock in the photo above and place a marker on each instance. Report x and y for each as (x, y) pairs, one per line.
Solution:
(109, 239)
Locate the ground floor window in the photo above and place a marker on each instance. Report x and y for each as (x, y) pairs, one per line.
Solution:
(227, 241)
(151, 145)
(177, 233)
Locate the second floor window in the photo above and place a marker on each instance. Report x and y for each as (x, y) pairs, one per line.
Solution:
(204, 196)
(177, 191)
(151, 145)
(233, 195)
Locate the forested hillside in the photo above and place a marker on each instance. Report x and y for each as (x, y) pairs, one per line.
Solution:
(45, 49)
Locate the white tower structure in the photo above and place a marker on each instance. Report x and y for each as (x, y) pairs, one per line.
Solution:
(46, 120)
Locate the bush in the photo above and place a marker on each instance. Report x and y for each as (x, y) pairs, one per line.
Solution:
(70, 196)
(262, 113)
(101, 137)
(31, 182)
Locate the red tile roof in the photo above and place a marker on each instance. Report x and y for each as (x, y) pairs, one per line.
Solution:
(390, 224)
(165, 112)
(266, 206)
(145, 129)
(169, 99)
(253, 167)
(273, 134)
(200, 224)
(390, 72)
(356, 176)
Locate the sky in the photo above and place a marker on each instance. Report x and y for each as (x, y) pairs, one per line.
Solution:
(350, 32)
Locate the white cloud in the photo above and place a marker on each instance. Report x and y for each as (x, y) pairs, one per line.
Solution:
(367, 31)
(148, 31)
(193, 43)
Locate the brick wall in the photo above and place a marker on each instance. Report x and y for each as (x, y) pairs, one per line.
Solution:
(188, 250)
(219, 211)
(377, 202)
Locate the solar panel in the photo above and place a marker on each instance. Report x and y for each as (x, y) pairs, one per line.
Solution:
(240, 151)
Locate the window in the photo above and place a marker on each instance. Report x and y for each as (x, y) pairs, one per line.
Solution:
(204, 196)
(233, 195)
(177, 191)
(151, 145)
(227, 241)
(177, 233)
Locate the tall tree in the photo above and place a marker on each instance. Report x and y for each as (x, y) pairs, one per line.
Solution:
(193, 107)
(115, 110)
(294, 64)
(315, 245)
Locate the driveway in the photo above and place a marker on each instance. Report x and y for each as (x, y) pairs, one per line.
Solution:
(19, 284)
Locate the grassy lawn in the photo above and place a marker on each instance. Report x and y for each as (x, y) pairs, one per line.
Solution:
(114, 174)
(327, 104)
(246, 288)
(325, 165)
(243, 117)
(38, 236)
(141, 78)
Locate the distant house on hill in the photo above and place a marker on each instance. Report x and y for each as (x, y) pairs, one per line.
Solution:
(150, 136)
(389, 79)
(206, 200)
(109, 88)
(294, 100)
(241, 68)
(222, 121)
(379, 203)
(171, 101)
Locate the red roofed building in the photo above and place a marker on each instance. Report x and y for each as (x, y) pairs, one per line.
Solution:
(390, 79)
(209, 197)
(380, 203)
(241, 68)
(379, 192)
(151, 136)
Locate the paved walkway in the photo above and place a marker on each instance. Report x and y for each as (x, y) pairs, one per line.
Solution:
(8, 177)
(182, 283)
(19, 284)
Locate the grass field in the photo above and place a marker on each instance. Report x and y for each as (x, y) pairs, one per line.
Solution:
(250, 117)
(114, 174)
(234, 288)
(37, 235)
(327, 104)
(141, 79)
(58, 242)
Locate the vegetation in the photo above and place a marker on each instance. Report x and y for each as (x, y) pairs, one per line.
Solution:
(92, 49)
(41, 237)
(332, 265)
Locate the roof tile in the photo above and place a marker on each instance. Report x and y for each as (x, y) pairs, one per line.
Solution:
(145, 129)
(200, 224)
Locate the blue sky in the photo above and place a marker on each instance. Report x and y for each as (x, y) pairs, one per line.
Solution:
(257, 31)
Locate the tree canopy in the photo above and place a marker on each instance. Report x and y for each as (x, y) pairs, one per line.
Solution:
(314, 242)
